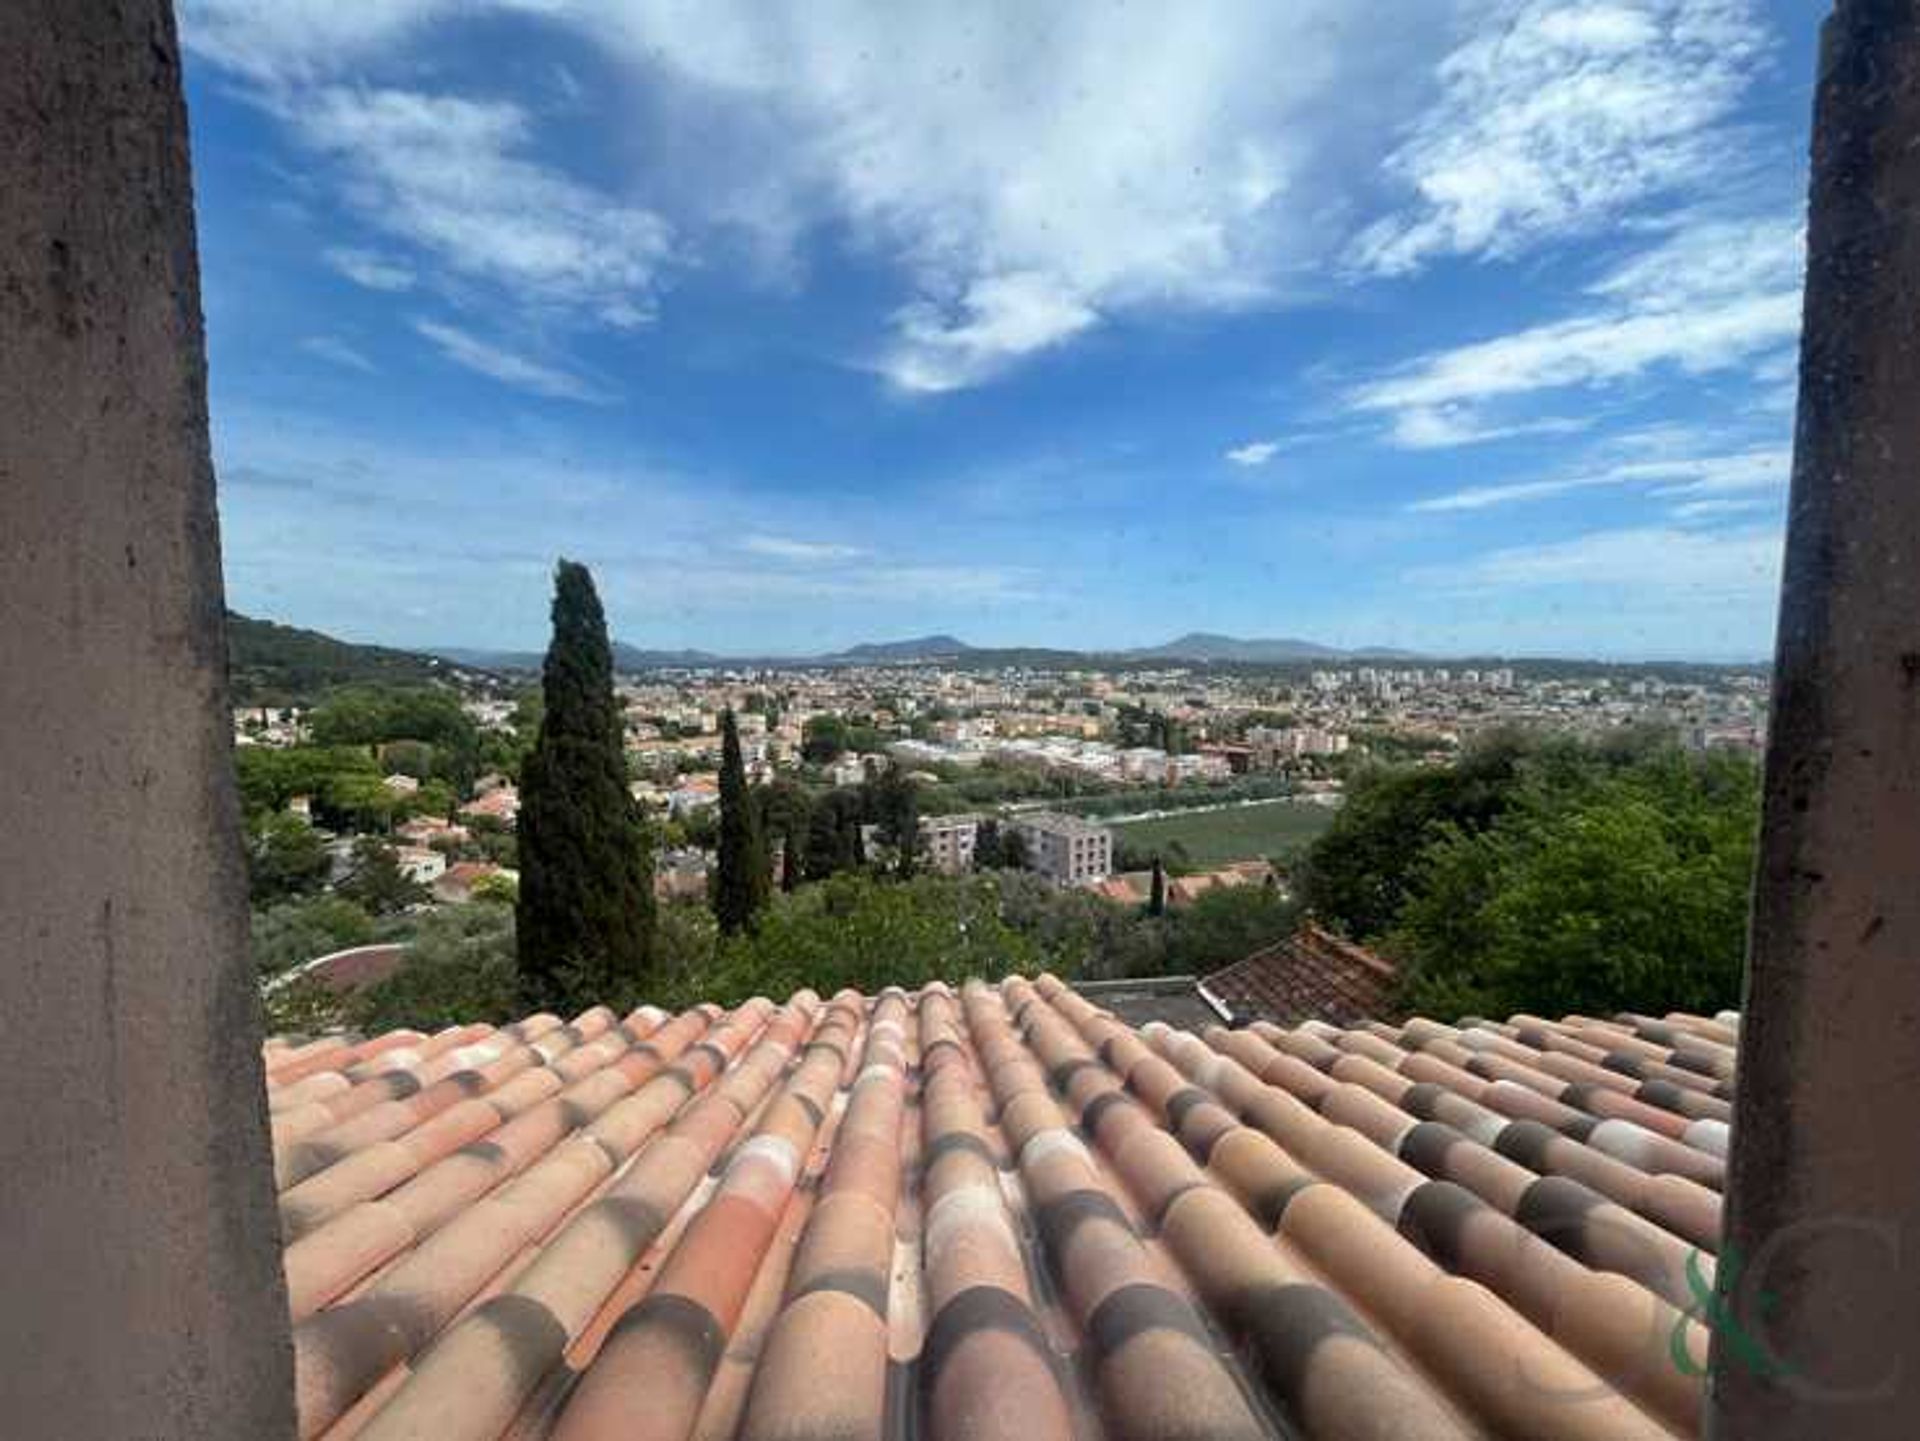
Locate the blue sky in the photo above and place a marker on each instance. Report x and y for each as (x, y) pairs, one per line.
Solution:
(1471, 329)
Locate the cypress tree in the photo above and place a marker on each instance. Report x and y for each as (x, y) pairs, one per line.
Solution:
(1157, 895)
(584, 918)
(740, 882)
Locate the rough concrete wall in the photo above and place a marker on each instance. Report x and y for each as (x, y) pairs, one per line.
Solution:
(1822, 1336)
(140, 1294)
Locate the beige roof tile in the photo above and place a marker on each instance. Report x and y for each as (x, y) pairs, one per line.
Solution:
(1001, 1212)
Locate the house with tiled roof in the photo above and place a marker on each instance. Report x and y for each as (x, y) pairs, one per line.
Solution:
(500, 803)
(458, 883)
(1310, 975)
(1001, 1211)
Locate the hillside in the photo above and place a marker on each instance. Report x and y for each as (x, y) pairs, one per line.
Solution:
(272, 664)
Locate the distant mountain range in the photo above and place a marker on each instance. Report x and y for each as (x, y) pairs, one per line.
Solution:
(1196, 647)
(272, 664)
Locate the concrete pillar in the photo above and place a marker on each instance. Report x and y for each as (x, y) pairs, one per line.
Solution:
(140, 1287)
(1820, 1336)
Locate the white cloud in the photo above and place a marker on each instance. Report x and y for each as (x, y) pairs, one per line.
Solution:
(369, 268)
(1553, 117)
(508, 368)
(1033, 170)
(451, 176)
(1713, 295)
(1759, 469)
(1254, 452)
(282, 42)
(781, 547)
(1444, 427)
(1589, 351)
(339, 352)
(1708, 509)
(1001, 318)
(1682, 566)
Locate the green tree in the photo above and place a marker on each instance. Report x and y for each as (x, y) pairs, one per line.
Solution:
(988, 850)
(585, 909)
(1225, 924)
(1157, 890)
(823, 739)
(1363, 869)
(1589, 893)
(893, 807)
(833, 835)
(1013, 850)
(853, 931)
(285, 857)
(291, 932)
(784, 815)
(740, 871)
(445, 742)
(459, 968)
(376, 881)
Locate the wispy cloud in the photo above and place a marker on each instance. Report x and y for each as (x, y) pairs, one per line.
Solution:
(1713, 509)
(468, 350)
(1758, 469)
(453, 177)
(1711, 296)
(1445, 427)
(337, 351)
(370, 268)
(1553, 117)
(1254, 453)
(1704, 566)
(780, 547)
(1158, 160)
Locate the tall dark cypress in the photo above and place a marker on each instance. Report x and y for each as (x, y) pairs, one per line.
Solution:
(1157, 895)
(740, 881)
(585, 911)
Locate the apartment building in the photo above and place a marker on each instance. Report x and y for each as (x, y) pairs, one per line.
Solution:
(948, 842)
(1069, 850)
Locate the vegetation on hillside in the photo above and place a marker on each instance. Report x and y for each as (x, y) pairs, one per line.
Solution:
(279, 665)
(1549, 876)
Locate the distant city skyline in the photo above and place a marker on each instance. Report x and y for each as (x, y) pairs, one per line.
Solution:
(1070, 326)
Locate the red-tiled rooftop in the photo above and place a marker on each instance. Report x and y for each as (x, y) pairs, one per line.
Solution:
(1000, 1212)
(1310, 975)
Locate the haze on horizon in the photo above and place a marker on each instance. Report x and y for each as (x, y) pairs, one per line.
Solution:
(1075, 326)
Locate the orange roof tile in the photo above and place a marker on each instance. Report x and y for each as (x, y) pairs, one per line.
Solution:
(1000, 1212)
(1311, 975)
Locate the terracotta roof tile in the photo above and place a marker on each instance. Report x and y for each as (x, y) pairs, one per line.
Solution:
(1002, 1212)
(1312, 975)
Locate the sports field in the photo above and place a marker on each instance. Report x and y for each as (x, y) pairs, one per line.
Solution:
(1267, 828)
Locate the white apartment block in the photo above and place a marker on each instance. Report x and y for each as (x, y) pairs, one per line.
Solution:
(948, 842)
(1067, 849)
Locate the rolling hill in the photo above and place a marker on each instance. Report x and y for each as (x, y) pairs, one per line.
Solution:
(272, 664)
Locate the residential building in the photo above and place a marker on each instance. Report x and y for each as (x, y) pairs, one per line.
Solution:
(425, 830)
(1067, 849)
(420, 863)
(502, 803)
(948, 841)
(456, 885)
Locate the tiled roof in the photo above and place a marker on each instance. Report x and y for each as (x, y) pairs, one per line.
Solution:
(1311, 975)
(1000, 1212)
(353, 969)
